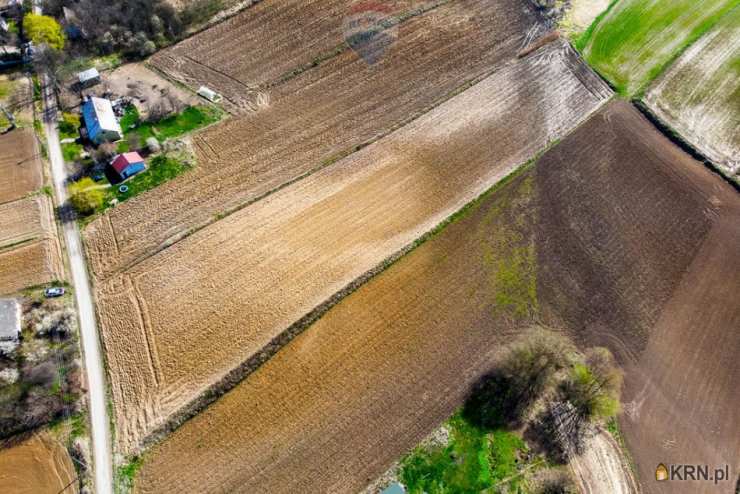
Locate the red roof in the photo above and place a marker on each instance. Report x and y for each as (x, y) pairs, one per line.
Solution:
(123, 161)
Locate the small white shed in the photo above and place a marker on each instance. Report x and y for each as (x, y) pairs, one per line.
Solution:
(209, 94)
(89, 77)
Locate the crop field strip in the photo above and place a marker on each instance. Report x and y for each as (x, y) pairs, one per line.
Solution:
(265, 43)
(430, 323)
(326, 112)
(269, 264)
(636, 40)
(699, 97)
(20, 167)
(30, 253)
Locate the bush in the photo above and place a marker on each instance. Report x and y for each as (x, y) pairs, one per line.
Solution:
(502, 397)
(69, 124)
(42, 29)
(86, 197)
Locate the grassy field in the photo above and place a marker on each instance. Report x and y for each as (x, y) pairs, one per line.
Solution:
(472, 461)
(190, 119)
(635, 40)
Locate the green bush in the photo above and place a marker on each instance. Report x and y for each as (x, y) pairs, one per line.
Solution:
(69, 124)
(42, 29)
(86, 196)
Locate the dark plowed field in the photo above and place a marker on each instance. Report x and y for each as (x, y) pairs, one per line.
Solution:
(638, 251)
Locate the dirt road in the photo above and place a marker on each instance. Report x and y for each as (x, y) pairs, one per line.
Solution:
(88, 330)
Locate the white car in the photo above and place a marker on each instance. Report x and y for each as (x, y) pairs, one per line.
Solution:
(54, 292)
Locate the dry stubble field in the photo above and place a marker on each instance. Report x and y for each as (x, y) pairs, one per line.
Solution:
(30, 253)
(247, 278)
(699, 96)
(634, 250)
(313, 118)
(20, 167)
(38, 465)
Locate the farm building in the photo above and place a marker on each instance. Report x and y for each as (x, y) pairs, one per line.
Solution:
(10, 324)
(209, 94)
(88, 78)
(100, 121)
(128, 164)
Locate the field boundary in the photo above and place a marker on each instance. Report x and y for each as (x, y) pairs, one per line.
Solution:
(676, 138)
(326, 163)
(236, 375)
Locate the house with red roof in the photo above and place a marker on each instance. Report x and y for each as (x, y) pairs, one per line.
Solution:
(128, 164)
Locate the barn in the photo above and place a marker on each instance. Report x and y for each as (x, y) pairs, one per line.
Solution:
(128, 164)
(100, 121)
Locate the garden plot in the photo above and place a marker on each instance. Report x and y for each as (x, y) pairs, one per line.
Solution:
(699, 96)
(431, 323)
(637, 39)
(30, 253)
(247, 278)
(20, 164)
(311, 121)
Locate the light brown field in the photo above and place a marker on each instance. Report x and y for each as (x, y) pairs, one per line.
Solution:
(700, 98)
(20, 166)
(250, 276)
(312, 119)
(39, 465)
(30, 253)
(25, 220)
(606, 209)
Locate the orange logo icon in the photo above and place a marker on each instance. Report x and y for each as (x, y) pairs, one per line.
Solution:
(661, 473)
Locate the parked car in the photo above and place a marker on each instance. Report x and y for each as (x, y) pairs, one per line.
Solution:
(56, 291)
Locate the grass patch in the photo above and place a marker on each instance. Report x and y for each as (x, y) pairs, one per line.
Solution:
(160, 169)
(6, 88)
(69, 125)
(474, 460)
(126, 473)
(190, 119)
(634, 41)
(71, 151)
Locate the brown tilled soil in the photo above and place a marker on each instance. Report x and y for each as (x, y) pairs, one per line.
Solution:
(638, 252)
(634, 245)
(374, 376)
(39, 465)
(266, 43)
(30, 253)
(20, 166)
(247, 278)
(311, 120)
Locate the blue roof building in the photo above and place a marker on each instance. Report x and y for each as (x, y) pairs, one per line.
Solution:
(100, 121)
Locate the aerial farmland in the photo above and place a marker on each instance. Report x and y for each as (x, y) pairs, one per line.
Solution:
(375, 247)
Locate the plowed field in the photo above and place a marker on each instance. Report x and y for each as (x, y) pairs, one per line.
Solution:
(20, 168)
(39, 465)
(700, 98)
(250, 276)
(638, 253)
(327, 111)
(25, 220)
(29, 248)
(265, 42)
(656, 232)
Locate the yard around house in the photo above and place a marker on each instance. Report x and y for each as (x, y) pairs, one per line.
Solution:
(634, 41)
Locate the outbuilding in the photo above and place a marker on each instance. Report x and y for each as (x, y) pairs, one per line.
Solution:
(88, 78)
(100, 121)
(10, 324)
(128, 164)
(209, 94)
